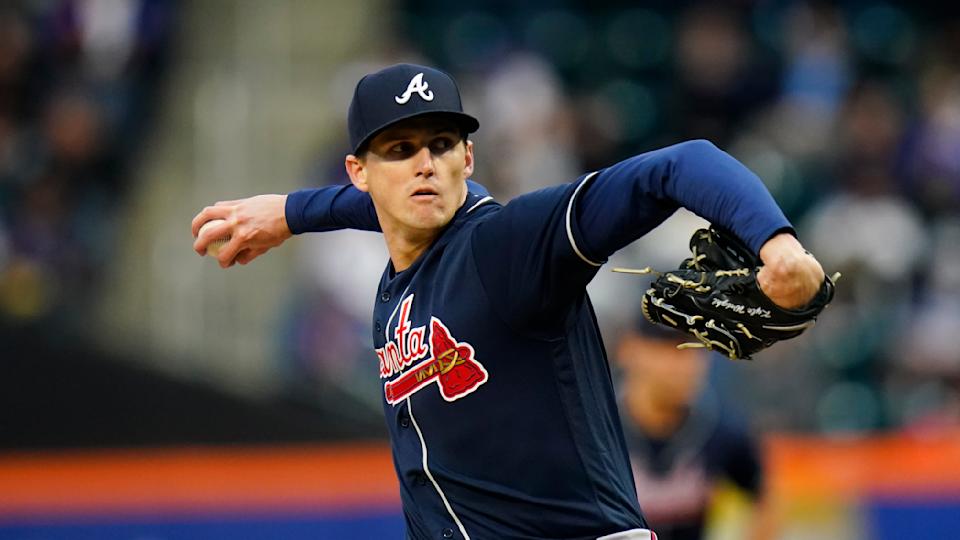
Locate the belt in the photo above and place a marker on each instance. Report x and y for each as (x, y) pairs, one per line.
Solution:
(632, 534)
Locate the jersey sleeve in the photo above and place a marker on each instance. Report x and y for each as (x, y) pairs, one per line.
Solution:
(629, 199)
(538, 253)
(332, 208)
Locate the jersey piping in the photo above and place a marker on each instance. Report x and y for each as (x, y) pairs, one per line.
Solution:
(423, 442)
(573, 198)
(426, 469)
(478, 203)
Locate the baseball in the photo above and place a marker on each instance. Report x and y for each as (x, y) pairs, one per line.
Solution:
(213, 248)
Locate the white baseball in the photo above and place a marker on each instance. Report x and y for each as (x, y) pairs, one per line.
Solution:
(213, 248)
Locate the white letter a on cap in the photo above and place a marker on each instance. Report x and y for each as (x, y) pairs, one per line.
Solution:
(416, 85)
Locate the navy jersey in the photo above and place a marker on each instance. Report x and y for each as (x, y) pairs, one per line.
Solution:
(497, 390)
(677, 476)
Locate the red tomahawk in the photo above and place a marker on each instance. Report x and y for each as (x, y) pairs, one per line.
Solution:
(451, 365)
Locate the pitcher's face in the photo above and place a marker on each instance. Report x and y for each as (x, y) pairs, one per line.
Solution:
(415, 171)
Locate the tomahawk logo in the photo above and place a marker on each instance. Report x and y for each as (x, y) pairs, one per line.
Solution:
(416, 85)
(451, 364)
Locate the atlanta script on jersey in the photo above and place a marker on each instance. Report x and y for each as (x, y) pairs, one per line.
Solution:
(449, 364)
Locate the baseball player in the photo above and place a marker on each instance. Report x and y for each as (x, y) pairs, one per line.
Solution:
(496, 387)
(682, 442)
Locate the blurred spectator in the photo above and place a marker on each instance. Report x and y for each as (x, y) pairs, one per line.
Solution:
(117, 48)
(527, 139)
(76, 82)
(817, 70)
(16, 44)
(719, 78)
(877, 239)
(923, 382)
(865, 205)
(932, 157)
(816, 77)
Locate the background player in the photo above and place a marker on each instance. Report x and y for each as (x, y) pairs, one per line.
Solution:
(497, 393)
(683, 444)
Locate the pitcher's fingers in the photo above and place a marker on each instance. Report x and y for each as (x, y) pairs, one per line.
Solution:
(211, 233)
(228, 253)
(200, 246)
(208, 213)
(248, 255)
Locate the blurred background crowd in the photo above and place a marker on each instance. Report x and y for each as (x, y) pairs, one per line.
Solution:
(120, 119)
(77, 86)
(850, 114)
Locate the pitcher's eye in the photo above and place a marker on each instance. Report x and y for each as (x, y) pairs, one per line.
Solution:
(441, 144)
(401, 148)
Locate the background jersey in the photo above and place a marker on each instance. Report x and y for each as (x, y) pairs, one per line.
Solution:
(497, 392)
(677, 476)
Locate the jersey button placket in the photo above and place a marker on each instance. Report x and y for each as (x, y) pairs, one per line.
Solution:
(385, 297)
(447, 533)
(404, 422)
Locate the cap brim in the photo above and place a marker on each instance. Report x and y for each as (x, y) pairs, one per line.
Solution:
(469, 123)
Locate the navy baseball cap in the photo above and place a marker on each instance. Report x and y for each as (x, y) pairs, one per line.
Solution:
(400, 92)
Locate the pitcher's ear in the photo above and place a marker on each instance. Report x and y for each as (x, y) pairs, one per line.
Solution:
(468, 158)
(357, 170)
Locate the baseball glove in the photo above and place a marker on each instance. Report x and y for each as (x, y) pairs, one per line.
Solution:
(715, 297)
